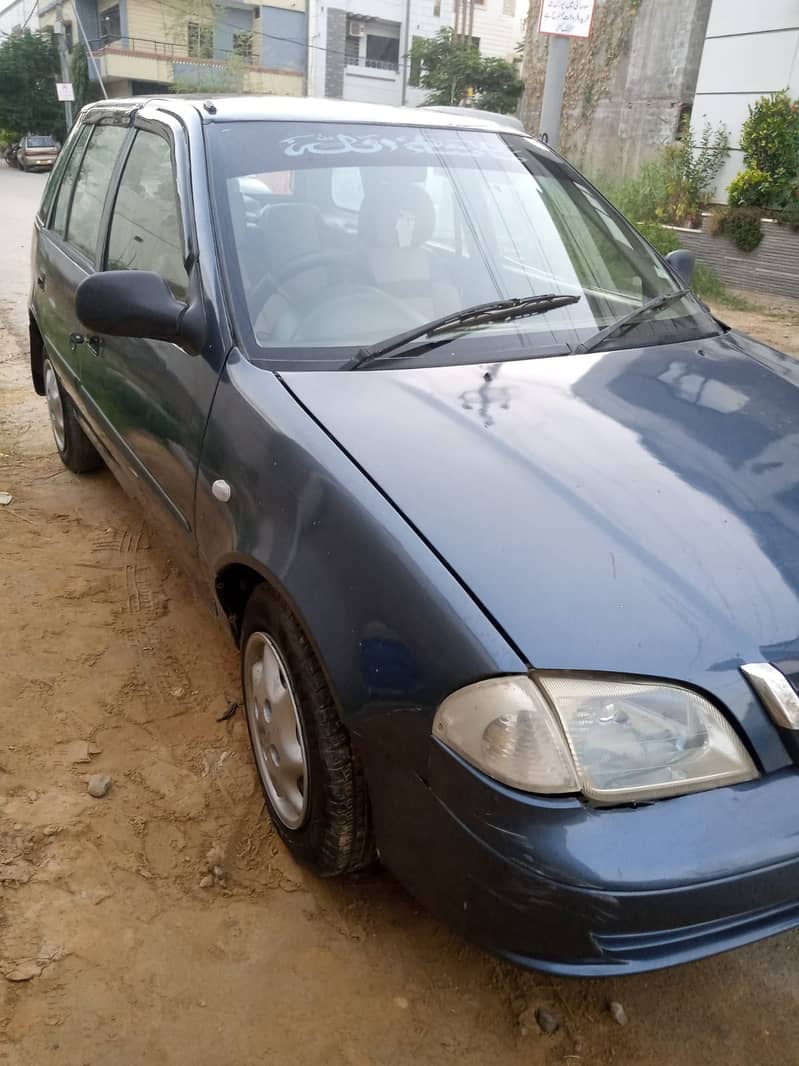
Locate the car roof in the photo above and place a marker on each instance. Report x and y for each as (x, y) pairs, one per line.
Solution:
(303, 109)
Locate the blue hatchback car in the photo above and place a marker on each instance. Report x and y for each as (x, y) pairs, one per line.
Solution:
(504, 521)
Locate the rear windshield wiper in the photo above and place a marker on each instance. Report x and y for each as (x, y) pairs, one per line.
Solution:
(628, 320)
(495, 311)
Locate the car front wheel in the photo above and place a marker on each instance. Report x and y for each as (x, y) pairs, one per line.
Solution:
(312, 781)
(77, 452)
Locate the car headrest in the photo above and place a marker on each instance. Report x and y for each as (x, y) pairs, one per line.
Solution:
(291, 230)
(396, 216)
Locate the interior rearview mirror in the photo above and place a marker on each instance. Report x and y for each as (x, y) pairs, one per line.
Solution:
(138, 303)
(682, 262)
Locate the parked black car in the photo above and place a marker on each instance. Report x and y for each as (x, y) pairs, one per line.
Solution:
(504, 521)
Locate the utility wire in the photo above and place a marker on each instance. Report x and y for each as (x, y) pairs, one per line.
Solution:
(30, 15)
(256, 33)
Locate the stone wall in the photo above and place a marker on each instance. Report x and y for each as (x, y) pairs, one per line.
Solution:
(627, 83)
(773, 266)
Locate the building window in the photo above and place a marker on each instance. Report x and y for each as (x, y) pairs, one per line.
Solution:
(68, 39)
(200, 41)
(509, 8)
(242, 45)
(110, 24)
(382, 53)
(437, 9)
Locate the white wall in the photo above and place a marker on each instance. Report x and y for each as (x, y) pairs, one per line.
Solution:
(751, 48)
(371, 86)
(13, 15)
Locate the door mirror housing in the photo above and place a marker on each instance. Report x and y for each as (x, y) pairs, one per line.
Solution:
(682, 262)
(139, 303)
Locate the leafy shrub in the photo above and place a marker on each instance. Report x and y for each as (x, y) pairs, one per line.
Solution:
(751, 188)
(673, 186)
(770, 142)
(8, 137)
(789, 216)
(742, 226)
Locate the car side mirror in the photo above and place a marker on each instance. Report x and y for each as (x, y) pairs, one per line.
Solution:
(682, 262)
(139, 303)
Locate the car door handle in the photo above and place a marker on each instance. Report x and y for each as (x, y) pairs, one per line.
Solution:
(75, 339)
(41, 280)
(96, 344)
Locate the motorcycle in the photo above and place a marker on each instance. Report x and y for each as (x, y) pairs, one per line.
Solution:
(10, 155)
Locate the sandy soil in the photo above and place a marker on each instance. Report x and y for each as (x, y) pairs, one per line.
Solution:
(773, 319)
(110, 949)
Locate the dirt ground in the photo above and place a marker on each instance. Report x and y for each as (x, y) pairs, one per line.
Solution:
(112, 952)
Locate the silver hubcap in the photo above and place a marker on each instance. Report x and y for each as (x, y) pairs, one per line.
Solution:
(54, 405)
(276, 729)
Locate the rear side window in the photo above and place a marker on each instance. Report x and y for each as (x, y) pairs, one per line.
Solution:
(145, 231)
(91, 187)
(59, 223)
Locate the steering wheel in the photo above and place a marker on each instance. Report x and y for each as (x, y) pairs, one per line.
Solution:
(270, 284)
(376, 312)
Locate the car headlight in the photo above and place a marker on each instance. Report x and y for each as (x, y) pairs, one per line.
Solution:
(616, 741)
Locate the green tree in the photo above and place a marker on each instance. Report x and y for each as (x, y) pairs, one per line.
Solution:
(86, 90)
(29, 69)
(454, 73)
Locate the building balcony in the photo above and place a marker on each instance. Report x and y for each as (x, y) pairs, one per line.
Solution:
(140, 59)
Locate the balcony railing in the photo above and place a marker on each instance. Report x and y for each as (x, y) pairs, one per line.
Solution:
(163, 49)
(373, 64)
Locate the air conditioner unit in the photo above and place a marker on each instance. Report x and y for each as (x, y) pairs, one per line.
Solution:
(356, 28)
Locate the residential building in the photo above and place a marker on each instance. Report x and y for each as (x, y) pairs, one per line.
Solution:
(144, 46)
(17, 15)
(358, 49)
(750, 50)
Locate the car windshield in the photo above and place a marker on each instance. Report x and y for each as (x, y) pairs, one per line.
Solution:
(40, 142)
(338, 236)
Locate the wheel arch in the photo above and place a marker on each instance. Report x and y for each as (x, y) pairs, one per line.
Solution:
(236, 578)
(36, 355)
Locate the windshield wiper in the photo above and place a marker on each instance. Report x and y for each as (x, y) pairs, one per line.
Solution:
(631, 319)
(495, 311)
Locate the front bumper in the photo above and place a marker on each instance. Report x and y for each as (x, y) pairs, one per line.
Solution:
(560, 886)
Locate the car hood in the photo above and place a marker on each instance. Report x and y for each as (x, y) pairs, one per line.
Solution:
(633, 511)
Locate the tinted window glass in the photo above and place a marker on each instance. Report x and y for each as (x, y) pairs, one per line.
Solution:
(145, 225)
(40, 142)
(64, 193)
(91, 187)
(71, 152)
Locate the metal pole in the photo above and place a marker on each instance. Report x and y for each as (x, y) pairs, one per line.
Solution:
(406, 58)
(62, 56)
(89, 52)
(552, 104)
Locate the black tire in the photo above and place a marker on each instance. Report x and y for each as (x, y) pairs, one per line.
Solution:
(336, 835)
(77, 452)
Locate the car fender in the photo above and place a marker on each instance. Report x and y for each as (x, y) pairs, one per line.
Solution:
(394, 629)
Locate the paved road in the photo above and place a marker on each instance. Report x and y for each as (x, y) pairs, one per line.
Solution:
(102, 641)
(20, 195)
